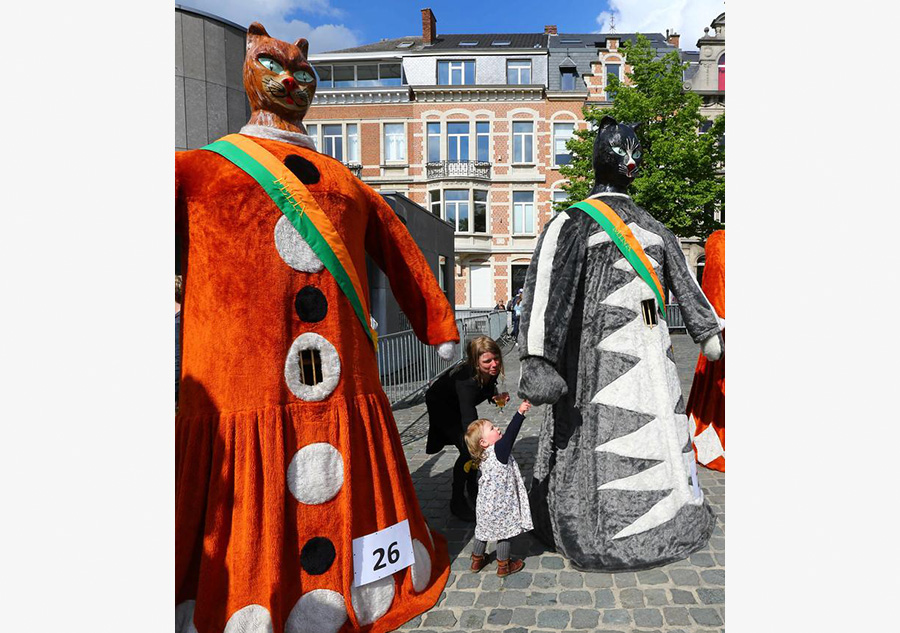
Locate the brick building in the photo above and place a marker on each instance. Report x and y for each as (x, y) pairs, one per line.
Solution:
(472, 127)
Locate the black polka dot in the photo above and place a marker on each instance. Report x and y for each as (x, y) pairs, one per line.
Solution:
(311, 304)
(317, 556)
(302, 169)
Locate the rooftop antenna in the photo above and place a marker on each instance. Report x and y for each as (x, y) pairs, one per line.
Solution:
(612, 23)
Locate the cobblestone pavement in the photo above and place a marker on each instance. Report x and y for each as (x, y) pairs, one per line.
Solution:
(549, 595)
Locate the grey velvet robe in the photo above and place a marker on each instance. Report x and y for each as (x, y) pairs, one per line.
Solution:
(615, 483)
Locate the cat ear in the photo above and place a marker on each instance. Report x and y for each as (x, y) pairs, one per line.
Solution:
(256, 30)
(635, 126)
(303, 45)
(605, 121)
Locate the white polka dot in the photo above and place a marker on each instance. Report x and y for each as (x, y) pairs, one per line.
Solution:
(316, 473)
(251, 619)
(372, 601)
(184, 617)
(294, 250)
(319, 611)
(421, 568)
(331, 368)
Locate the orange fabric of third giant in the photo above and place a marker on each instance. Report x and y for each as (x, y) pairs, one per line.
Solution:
(706, 404)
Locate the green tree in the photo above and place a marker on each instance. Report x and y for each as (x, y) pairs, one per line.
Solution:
(681, 180)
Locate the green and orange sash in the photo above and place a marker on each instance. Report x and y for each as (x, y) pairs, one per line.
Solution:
(297, 204)
(627, 243)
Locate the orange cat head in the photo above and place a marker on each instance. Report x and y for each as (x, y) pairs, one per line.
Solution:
(277, 77)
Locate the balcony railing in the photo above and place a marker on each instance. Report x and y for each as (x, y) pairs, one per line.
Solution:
(458, 169)
(355, 168)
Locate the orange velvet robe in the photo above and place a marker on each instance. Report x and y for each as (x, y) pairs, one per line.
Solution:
(272, 488)
(706, 404)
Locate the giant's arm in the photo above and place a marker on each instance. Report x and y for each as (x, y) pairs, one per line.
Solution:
(700, 318)
(550, 287)
(412, 282)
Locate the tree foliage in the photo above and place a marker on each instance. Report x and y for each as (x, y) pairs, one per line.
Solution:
(681, 181)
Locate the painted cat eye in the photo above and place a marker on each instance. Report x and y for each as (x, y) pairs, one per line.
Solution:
(271, 64)
(619, 151)
(637, 154)
(303, 77)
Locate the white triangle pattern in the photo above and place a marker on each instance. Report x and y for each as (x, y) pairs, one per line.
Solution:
(709, 447)
(650, 387)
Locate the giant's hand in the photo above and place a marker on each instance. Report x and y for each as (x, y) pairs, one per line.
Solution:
(713, 347)
(539, 383)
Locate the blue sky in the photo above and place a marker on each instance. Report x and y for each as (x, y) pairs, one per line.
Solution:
(333, 24)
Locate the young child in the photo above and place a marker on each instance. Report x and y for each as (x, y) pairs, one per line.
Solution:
(501, 510)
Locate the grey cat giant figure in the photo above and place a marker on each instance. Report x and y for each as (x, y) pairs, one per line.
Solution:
(615, 481)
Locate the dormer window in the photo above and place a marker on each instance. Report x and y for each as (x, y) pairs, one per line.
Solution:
(518, 71)
(456, 73)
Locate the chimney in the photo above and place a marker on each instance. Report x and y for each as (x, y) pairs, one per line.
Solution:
(550, 29)
(429, 26)
(673, 38)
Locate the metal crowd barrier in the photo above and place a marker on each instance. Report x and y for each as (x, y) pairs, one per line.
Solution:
(406, 365)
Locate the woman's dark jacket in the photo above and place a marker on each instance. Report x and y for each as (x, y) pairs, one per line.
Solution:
(451, 403)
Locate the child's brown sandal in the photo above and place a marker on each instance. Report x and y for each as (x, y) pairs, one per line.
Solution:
(510, 566)
(478, 563)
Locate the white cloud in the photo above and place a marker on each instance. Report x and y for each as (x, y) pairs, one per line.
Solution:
(687, 17)
(273, 14)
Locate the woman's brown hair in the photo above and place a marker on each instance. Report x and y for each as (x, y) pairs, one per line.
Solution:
(477, 347)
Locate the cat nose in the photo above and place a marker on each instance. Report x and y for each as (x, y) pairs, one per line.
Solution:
(289, 82)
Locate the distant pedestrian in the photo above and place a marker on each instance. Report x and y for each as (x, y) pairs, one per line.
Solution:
(499, 305)
(517, 314)
(502, 509)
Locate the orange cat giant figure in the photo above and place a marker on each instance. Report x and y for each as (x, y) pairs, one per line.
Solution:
(286, 447)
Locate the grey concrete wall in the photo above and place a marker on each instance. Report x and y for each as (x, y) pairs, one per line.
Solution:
(210, 101)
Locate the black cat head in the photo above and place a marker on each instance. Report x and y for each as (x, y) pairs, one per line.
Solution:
(617, 154)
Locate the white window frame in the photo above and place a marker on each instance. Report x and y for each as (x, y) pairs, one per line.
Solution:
(318, 136)
(529, 160)
(436, 138)
(457, 139)
(518, 66)
(553, 140)
(341, 130)
(455, 65)
(456, 204)
(384, 144)
(524, 210)
(438, 198)
(553, 200)
(478, 135)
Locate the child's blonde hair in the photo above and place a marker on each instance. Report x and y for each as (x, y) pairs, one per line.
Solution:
(473, 439)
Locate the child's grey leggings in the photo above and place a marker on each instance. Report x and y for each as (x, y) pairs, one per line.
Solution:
(502, 548)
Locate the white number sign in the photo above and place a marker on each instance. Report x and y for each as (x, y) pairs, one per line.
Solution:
(382, 553)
